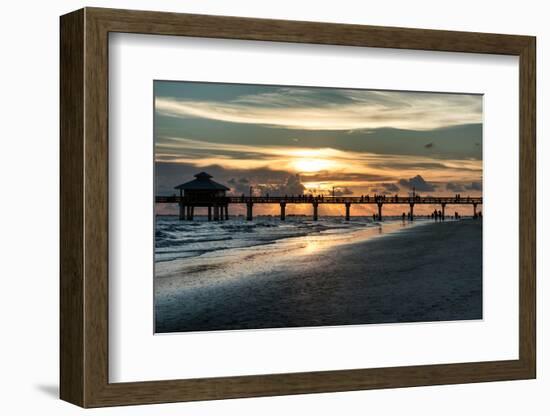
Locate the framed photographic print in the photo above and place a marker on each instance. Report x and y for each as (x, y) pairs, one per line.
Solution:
(256, 207)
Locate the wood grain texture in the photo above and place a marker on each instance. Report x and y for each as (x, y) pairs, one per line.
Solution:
(84, 207)
(528, 207)
(71, 99)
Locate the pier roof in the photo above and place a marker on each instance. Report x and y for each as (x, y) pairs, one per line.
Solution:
(203, 182)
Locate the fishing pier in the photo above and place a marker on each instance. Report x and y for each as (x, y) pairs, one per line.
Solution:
(204, 192)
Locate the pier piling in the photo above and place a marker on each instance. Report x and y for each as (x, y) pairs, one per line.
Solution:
(283, 208)
(182, 211)
(189, 214)
(218, 205)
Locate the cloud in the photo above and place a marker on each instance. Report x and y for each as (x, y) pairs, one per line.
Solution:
(322, 109)
(474, 186)
(385, 188)
(418, 183)
(332, 164)
(239, 186)
(460, 187)
(339, 176)
(455, 187)
(392, 187)
(292, 186)
(342, 191)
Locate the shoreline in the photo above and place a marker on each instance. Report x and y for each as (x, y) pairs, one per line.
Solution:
(295, 245)
(407, 276)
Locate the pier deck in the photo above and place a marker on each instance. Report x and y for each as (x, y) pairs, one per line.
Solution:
(219, 205)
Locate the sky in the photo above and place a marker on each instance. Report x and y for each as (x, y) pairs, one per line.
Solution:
(285, 140)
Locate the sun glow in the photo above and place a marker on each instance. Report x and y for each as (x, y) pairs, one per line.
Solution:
(309, 165)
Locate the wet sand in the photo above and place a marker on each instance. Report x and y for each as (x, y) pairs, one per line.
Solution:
(431, 272)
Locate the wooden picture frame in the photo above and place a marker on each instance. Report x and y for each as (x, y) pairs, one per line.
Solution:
(84, 207)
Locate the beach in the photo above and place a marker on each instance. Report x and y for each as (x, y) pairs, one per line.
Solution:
(306, 274)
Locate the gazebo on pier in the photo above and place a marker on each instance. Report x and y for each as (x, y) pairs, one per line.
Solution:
(203, 192)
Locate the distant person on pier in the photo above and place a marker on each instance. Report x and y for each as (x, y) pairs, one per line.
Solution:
(403, 217)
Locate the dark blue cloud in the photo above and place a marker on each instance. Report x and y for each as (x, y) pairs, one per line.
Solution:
(418, 183)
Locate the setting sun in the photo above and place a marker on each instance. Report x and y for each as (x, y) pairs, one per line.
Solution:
(309, 165)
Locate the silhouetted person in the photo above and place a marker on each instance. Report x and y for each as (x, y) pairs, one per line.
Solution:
(403, 217)
(374, 217)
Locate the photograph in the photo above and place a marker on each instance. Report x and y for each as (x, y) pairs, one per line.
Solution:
(294, 206)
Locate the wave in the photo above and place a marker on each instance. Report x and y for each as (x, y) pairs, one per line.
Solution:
(175, 239)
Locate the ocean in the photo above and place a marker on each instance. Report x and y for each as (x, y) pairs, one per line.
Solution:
(176, 239)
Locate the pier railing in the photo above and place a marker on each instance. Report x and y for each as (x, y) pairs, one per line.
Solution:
(219, 205)
(307, 199)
